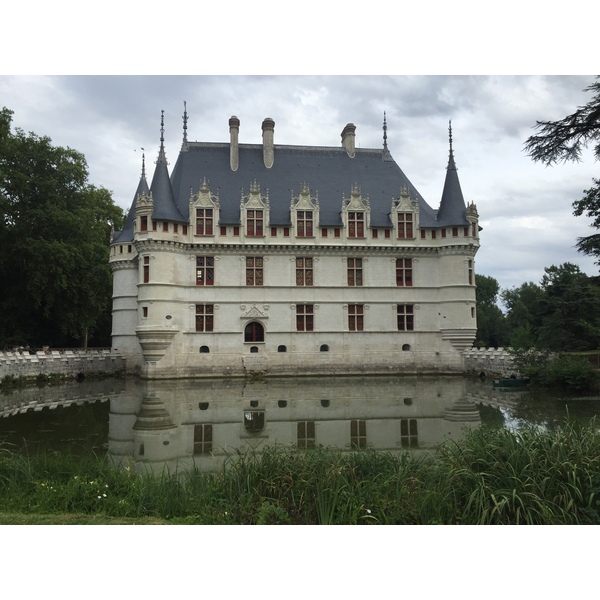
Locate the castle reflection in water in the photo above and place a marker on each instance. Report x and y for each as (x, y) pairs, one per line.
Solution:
(198, 422)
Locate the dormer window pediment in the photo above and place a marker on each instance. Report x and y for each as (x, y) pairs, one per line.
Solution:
(204, 210)
(356, 213)
(304, 211)
(405, 215)
(254, 210)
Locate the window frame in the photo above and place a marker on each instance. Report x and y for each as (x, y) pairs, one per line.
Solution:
(205, 318)
(354, 271)
(305, 317)
(404, 272)
(405, 317)
(207, 268)
(356, 317)
(255, 271)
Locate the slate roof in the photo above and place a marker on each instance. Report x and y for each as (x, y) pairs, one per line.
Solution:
(329, 172)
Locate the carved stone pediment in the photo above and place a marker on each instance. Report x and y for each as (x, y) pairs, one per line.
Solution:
(304, 200)
(356, 200)
(253, 313)
(204, 198)
(255, 199)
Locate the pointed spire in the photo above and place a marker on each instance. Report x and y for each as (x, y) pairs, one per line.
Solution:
(451, 163)
(162, 158)
(184, 145)
(386, 153)
(143, 165)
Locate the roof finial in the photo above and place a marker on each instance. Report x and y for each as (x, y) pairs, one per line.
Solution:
(143, 164)
(451, 163)
(161, 153)
(386, 152)
(185, 118)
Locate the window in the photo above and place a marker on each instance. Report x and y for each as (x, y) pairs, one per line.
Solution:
(408, 433)
(203, 438)
(143, 223)
(355, 317)
(422, 234)
(455, 232)
(184, 228)
(254, 223)
(304, 223)
(387, 234)
(405, 225)
(433, 234)
(223, 230)
(404, 272)
(154, 225)
(406, 317)
(470, 272)
(204, 221)
(358, 434)
(337, 232)
(355, 277)
(175, 228)
(254, 270)
(323, 231)
(443, 233)
(306, 434)
(374, 233)
(465, 231)
(204, 317)
(286, 232)
(129, 248)
(273, 231)
(205, 270)
(324, 348)
(304, 317)
(120, 249)
(166, 226)
(254, 332)
(474, 230)
(236, 230)
(145, 312)
(304, 271)
(356, 224)
(146, 269)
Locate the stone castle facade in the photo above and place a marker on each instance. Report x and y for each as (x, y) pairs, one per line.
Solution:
(292, 260)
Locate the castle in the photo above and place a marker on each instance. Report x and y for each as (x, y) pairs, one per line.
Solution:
(292, 260)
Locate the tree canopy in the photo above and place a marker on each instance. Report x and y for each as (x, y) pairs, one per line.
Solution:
(54, 237)
(564, 140)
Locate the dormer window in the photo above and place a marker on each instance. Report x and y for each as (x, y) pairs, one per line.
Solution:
(405, 225)
(304, 223)
(204, 221)
(254, 223)
(356, 224)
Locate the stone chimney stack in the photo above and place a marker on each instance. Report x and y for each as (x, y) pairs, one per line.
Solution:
(234, 154)
(268, 129)
(348, 137)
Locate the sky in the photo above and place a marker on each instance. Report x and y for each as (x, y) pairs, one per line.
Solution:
(525, 208)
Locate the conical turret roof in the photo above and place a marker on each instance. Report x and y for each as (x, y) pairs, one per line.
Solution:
(452, 209)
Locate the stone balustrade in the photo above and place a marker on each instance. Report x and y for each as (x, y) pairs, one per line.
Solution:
(67, 363)
(491, 361)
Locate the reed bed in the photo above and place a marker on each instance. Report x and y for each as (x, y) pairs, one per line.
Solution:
(492, 476)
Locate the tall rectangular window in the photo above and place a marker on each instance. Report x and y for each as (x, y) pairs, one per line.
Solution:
(474, 229)
(184, 229)
(254, 223)
(204, 221)
(356, 224)
(408, 433)
(304, 271)
(323, 231)
(406, 317)
(455, 232)
(405, 225)
(304, 223)
(223, 230)
(146, 269)
(304, 317)
(355, 272)
(143, 223)
(166, 226)
(465, 231)
(306, 434)
(358, 433)
(404, 275)
(204, 317)
(470, 272)
(355, 317)
(205, 270)
(273, 231)
(374, 233)
(154, 225)
(203, 437)
(254, 270)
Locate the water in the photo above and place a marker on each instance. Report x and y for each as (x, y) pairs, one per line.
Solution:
(150, 424)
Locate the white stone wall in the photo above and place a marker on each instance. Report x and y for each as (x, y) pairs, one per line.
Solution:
(491, 361)
(67, 363)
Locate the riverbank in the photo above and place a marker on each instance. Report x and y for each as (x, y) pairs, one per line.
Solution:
(493, 476)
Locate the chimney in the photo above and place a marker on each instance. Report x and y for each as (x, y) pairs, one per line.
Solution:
(268, 128)
(348, 135)
(234, 155)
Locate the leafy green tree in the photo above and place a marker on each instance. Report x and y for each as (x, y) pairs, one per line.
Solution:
(491, 326)
(564, 140)
(523, 313)
(54, 237)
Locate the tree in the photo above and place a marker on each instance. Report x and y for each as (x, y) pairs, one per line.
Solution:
(491, 326)
(562, 141)
(54, 237)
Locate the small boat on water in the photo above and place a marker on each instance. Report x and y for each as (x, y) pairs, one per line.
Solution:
(512, 382)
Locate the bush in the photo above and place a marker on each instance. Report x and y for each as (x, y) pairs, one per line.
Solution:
(570, 371)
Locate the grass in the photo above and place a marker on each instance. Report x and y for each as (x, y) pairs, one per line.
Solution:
(492, 476)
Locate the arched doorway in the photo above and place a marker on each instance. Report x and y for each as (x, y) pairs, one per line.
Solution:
(254, 332)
